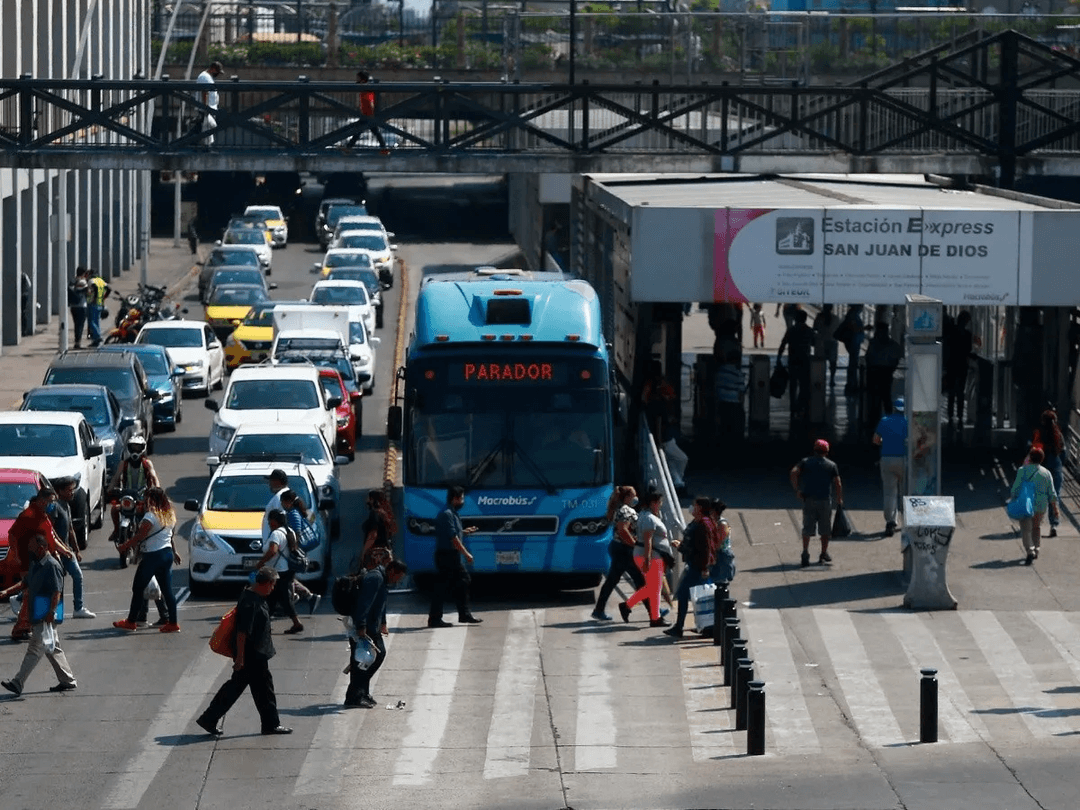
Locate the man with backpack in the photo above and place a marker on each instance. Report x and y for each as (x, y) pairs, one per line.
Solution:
(369, 618)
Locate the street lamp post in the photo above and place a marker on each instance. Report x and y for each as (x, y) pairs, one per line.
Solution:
(573, 36)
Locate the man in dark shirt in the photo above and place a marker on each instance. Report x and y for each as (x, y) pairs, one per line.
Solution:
(799, 341)
(32, 521)
(812, 478)
(957, 351)
(60, 515)
(450, 570)
(369, 618)
(251, 667)
(883, 355)
(44, 590)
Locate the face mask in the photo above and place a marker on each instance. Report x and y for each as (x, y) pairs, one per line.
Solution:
(633, 501)
(136, 458)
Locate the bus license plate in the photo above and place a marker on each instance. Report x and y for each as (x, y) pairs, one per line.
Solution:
(251, 563)
(508, 558)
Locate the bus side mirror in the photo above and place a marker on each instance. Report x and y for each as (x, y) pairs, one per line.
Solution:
(393, 423)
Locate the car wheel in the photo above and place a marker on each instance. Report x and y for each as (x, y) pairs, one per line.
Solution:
(81, 518)
(98, 517)
(179, 416)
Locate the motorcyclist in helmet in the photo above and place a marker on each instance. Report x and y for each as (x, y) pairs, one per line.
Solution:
(135, 472)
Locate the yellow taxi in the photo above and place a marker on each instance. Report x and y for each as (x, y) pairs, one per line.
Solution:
(229, 304)
(275, 221)
(252, 338)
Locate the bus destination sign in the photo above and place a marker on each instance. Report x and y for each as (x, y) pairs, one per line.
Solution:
(495, 372)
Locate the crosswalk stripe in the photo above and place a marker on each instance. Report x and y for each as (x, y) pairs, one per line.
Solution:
(1015, 675)
(707, 703)
(331, 748)
(865, 698)
(1062, 633)
(789, 718)
(509, 743)
(955, 710)
(594, 741)
(430, 713)
(177, 713)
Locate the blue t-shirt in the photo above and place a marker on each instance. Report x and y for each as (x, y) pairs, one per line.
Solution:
(447, 527)
(893, 432)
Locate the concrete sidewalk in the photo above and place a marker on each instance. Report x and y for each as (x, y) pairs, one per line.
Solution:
(23, 366)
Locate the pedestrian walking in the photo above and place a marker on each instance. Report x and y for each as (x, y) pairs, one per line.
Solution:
(251, 666)
(757, 326)
(812, 479)
(957, 349)
(276, 548)
(366, 102)
(369, 619)
(59, 513)
(43, 592)
(31, 521)
(883, 356)
(825, 343)
(158, 555)
(851, 332)
(652, 554)
(278, 481)
(97, 292)
(799, 341)
(1045, 498)
(193, 236)
(891, 436)
(297, 519)
(77, 303)
(1048, 438)
(623, 519)
(379, 527)
(451, 576)
(697, 561)
(723, 568)
(206, 120)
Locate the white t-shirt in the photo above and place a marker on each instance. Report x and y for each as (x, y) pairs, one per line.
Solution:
(648, 521)
(160, 537)
(212, 95)
(275, 503)
(278, 562)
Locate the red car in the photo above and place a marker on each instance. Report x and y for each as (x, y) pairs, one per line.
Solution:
(349, 412)
(16, 489)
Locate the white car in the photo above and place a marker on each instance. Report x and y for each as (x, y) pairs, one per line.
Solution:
(194, 347)
(353, 294)
(253, 238)
(226, 535)
(377, 243)
(275, 221)
(292, 442)
(359, 224)
(266, 393)
(58, 443)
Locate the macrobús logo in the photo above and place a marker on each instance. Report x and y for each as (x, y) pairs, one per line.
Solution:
(506, 500)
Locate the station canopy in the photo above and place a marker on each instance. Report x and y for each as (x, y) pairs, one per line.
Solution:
(842, 239)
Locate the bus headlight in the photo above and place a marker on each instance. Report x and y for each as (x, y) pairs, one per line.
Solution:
(587, 526)
(421, 526)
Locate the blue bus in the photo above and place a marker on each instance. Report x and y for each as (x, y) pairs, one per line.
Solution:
(507, 392)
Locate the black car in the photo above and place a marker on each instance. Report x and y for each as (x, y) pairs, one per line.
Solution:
(324, 206)
(97, 404)
(120, 372)
(335, 210)
(235, 275)
(163, 375)
(226, 256)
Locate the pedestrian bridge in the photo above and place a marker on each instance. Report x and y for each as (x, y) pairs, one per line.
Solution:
(980, 105)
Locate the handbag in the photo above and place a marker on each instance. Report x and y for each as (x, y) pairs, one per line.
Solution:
(49, 638)
(223, 639)
(152, 591)
(841, 526)
(1023, 505)
(778, 382)
(295, 556)
(704, 600)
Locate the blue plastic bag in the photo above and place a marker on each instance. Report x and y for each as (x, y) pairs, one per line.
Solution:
(1023, 505)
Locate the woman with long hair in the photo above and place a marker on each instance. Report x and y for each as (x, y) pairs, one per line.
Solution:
(652, 554)
(1048, 436)
(380, 527)
(297, 519)
(154, 538)
(623, 519)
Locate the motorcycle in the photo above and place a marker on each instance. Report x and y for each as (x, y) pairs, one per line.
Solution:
(131, 513)
(137, 309)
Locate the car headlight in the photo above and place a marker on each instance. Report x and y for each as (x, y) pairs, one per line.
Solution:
(343, 421)
(166, 396)
(195, 366)
(223, 432)
(201, 538)
(587, 526)
(421, 526)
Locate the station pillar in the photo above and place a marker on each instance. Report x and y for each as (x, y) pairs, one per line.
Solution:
(922, 388)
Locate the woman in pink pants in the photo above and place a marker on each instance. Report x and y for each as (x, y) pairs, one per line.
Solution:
(652, 550)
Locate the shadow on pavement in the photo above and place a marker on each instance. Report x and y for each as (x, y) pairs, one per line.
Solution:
(834, 590)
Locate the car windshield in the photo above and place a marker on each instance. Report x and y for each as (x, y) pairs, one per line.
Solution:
(366, 277)
(331, 386)
(249, 493)
(238, 276)
(364, 241)
(309, 446)
(260, 316)
(336, 212)
(357, 333)
(57, 441)
(154, 363)
(173, 337)
(90, 406)
(264, 213)
(236, 296)
(351, 295)
(348, 260)
(14, 496)
(220, 258)
(121, 381)
(288, 395)
(244, 236)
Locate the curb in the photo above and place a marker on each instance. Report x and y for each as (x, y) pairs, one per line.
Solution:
(390, 462)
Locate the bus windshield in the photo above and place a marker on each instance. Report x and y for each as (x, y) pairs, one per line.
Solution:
(548, 439)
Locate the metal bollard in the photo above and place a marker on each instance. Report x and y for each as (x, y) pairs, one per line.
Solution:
(735, 652)
(743, 675)
(719, 596)
(727, 611)
(731, 632)
(755, 719)
(928, 708)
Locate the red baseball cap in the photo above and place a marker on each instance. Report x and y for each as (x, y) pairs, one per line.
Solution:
(822, 445)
